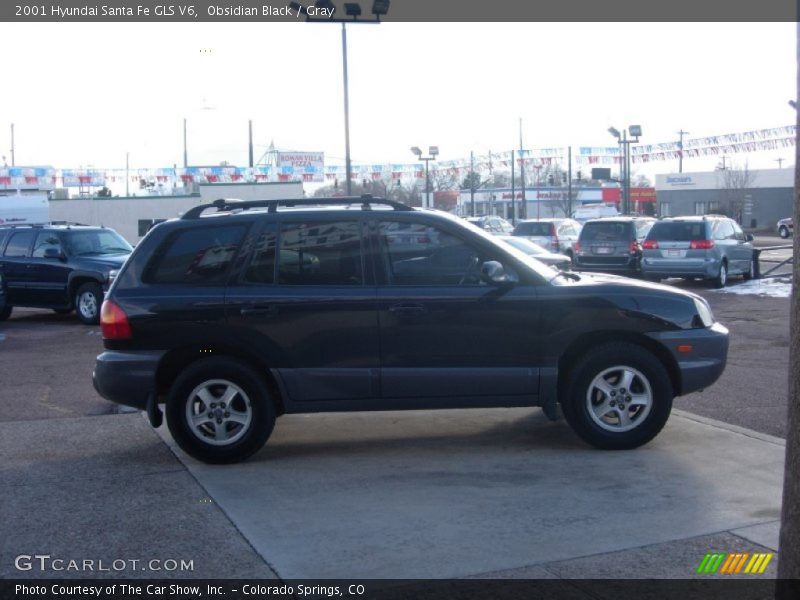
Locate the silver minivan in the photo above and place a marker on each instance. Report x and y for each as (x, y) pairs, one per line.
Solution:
(705, 247)
(555, 235)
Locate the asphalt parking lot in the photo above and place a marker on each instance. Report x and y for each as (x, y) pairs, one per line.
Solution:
(436, 494)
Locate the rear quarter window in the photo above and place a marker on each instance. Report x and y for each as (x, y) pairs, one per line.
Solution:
(197, 256)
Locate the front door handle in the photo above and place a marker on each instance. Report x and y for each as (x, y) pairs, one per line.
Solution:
(256, 310)
(407, 308)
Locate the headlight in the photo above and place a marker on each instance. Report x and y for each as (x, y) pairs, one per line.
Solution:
(704, 314)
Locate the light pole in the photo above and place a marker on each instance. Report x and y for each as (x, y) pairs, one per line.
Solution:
(432, 152)
(625, 166)
(353, 11)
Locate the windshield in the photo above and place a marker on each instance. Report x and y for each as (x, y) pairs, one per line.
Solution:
(95, 243)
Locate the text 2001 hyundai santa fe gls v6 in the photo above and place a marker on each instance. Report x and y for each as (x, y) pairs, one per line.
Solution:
(271, 307)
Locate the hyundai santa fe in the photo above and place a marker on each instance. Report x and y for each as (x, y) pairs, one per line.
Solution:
(240, 312)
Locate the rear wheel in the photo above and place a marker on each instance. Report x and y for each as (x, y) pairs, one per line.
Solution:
(88, 299)
(783, 231)
(220, 411)
(619, 396)
(722, 277)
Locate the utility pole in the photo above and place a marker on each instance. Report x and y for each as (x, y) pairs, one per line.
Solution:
(471, 183)
(569, 181)
(779, 161)
(513, 187)
(12, 145)
(523, 211)
(250, 143)
(185, 153)
(680, 150)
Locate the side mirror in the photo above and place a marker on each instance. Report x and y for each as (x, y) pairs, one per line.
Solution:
(494, 273)
(53, 253)
(749, 237)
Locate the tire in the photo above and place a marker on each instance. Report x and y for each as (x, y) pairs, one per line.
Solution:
(5, 312)
(605, 366)
(220, 439)
(88, 299)
(783, 231)
(721, 280)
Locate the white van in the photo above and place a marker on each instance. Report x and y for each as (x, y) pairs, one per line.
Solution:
(24, 209)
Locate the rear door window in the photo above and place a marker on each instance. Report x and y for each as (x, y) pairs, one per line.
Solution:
(19, 243)
(534, 229)
(321, 253)
(45, 240)
(198, 256)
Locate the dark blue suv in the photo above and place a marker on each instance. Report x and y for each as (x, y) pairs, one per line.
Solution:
(270, 307)
(62, 267)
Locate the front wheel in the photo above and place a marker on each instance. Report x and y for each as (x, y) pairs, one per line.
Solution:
(88, 299)
(619, 396)
(783, 231)
(751, 271)
(220, 411)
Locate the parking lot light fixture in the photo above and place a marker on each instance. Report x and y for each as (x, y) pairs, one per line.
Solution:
(351, 9)
(433, 151)
(380, 8)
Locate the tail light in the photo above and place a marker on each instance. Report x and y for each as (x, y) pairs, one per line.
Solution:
(114, 322)
(650, 245)
(577, 246)
(554, 242)
(634, 247)
(701, 244)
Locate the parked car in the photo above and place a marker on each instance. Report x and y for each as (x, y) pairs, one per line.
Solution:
(786, 227)
(559, 261)
(61, 267)
(612, 244)
(492, 224)
(555, 235)
(465, 321)
(5, 310)
(704, 247)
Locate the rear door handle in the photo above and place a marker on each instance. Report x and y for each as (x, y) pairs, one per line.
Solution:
(405, 308)
(270, 310)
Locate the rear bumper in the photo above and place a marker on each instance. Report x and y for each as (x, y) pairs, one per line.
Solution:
(705, 363)
(615, 265)
(127, 378)
(708, 269)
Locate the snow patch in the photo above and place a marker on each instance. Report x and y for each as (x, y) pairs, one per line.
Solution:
(774, 287)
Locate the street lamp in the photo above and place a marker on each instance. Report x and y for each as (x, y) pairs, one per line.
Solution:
(432, 152)
(625, 167)
(353, 12)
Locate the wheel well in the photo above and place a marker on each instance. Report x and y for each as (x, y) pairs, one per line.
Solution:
(78, 282)
(588, 341)
(175, 361)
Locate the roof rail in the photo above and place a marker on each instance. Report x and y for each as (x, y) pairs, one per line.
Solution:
(366, 201)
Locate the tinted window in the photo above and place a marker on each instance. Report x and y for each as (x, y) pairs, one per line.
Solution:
(322, 253)
(95, 243)
(642, 228)
(197, 256)
(417, 254)
(600, 231)
(262, 267)
(534, 228)
(45, 240)
(19, 243)
(738, 233)
(665, 231)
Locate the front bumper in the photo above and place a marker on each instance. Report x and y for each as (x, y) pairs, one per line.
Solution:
(705, 363)
(127, 378)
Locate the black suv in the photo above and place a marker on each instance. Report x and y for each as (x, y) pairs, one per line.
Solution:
(297, 306)
(63, 267)
(612, 245)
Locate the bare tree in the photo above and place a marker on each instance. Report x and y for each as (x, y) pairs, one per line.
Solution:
(734, 183)
(789, 557)
(444, 180)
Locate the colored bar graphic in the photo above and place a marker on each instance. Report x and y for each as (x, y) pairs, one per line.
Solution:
(734, 563)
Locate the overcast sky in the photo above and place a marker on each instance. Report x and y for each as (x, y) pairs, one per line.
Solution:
(85, 94)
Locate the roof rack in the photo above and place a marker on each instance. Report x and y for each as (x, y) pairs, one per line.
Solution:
(366, 201)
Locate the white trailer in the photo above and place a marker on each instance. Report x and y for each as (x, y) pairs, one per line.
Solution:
(24, 209)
